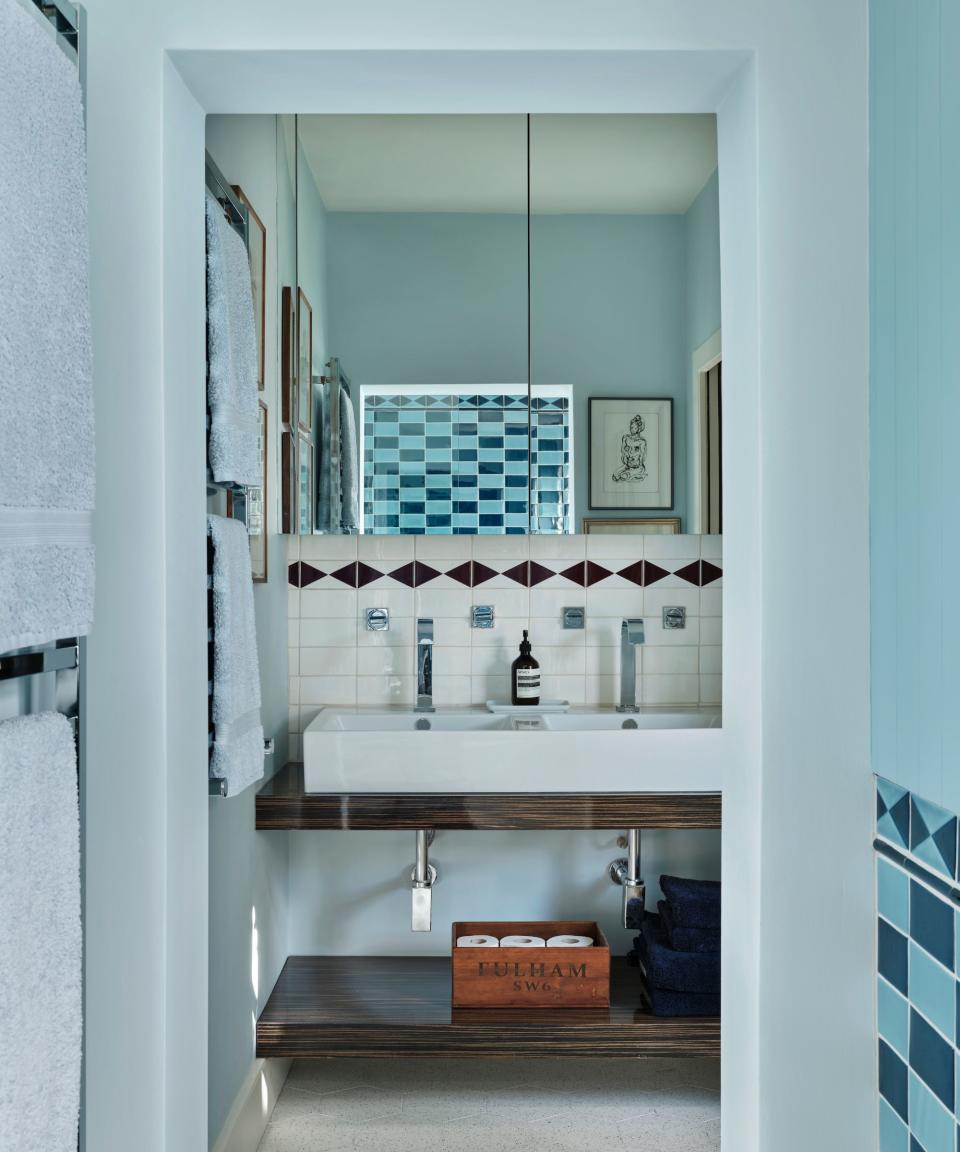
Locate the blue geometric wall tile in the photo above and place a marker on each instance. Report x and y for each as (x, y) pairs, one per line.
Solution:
(892, 956)
(931, 1125)
(893, 1018)
(932, 991)
(933, 836)
(893, 1081)
(932, 924)
(894, 1136)
(893, 894)
(931, 1058)
(893, 813)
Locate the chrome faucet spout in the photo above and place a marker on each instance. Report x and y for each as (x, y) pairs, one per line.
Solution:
(631, 637)
(424, 665)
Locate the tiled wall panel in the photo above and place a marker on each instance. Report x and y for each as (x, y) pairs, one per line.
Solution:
(528, 580)
(918, 962)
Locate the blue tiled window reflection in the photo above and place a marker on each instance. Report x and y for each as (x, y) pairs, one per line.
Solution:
(463, 460)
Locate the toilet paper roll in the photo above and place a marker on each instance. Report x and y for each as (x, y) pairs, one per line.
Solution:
(477, 942)
(522, 942)
(570, 942)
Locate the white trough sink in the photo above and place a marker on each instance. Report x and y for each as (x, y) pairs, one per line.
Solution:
(399, 750)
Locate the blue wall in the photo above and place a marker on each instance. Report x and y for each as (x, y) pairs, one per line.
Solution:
(441, 299)
(702, 248)
(915, 393)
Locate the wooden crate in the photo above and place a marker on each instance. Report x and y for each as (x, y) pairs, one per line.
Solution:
(531, 977)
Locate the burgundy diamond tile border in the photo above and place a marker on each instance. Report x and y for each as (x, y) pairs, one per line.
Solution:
(526, 573)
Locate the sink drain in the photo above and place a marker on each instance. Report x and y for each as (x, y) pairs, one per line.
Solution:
(423, 725)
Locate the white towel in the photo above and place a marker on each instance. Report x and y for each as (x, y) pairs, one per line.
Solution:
(46, 397)
(233, 450)
(40, 936)
(349, 471)
(238, 734)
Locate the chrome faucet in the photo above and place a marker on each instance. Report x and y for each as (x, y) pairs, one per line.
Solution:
(424, 658)
(631, 636)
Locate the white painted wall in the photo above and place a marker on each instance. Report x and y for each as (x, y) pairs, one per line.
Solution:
(248, 870)
(793, 233)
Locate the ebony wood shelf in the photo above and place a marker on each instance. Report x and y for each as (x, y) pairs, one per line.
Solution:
(400, 1006)
(283, 803)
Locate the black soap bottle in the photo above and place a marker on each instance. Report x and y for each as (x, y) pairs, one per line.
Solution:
(525, 677)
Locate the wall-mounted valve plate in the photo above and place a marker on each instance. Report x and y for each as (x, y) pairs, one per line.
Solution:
(482, 616)
(573, 617)
(378, 619)
(674, 618)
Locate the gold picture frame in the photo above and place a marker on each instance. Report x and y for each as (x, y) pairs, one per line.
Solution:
(632, 526)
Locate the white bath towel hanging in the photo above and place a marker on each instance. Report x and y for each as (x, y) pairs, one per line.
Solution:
(233, 451)
(46, 397)
(238, 734)
(40, 935)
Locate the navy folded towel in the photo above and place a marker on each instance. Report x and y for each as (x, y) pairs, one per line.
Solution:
(683, 939)
(665, 1002)
(694, 903)
(677, 971)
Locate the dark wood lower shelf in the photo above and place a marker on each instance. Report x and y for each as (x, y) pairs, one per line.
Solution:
(400, 1006)
(284, 803)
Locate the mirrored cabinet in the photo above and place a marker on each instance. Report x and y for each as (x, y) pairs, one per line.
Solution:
(501, 324)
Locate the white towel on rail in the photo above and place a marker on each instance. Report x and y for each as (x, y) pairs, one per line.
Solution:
(46, 363)
(238, 734)
(41, 1023)
(233, 450)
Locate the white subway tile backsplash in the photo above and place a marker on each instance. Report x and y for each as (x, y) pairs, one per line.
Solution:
(328, 690)
(383, 660)
(328, 661)
(337, 550)
(671, 661)
(383, 691)
(711, 630)
(294, 746)
(666, 690)
(293, 603)
(293, 549)
(601, 547)
(443, 547)
(566, 549)
(620, 602)
(328, 603)
(334, 660)
(658, 548)
(329, 632)
(500, 547)
(395, 548)
(293, 690)
(443, 602)
(711, 689)
(711, 601)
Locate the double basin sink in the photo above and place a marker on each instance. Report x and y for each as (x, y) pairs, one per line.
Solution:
(469, 750)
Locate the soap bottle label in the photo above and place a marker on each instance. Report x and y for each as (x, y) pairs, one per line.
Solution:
(528, 683)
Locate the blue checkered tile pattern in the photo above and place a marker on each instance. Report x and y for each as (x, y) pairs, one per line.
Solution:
(918, 959)
(460, 464)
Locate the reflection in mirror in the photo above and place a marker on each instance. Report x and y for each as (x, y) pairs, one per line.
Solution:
(625, 316)
(412, 256)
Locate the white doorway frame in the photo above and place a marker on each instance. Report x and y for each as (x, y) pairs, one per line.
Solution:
(707, 356)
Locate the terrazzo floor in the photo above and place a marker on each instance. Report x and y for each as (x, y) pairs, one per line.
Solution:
(495, 1106)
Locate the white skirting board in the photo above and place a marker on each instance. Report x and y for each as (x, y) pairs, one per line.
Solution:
(244, 1127)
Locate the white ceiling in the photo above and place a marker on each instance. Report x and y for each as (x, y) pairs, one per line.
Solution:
(579, 163)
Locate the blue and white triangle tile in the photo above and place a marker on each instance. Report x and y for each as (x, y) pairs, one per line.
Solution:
(893, 813)
(933, 836)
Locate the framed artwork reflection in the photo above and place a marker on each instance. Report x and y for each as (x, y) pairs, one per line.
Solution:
(257, 251)
(289, 523)
(288, 357)
(631, 452)
(304, 360)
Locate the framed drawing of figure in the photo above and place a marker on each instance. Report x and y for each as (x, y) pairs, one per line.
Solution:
(631, 452)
